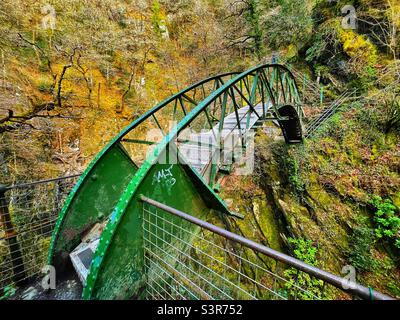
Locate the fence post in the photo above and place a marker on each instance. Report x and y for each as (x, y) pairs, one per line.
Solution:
(321, 95)
(11, 237)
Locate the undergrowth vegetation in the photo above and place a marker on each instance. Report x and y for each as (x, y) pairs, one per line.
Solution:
(387, 220)
(359, 253)
(304, 250)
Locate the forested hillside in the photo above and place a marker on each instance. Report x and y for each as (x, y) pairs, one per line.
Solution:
(74, 73)
(66, 92)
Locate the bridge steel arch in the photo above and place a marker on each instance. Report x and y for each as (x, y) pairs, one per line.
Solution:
(114, 167)
(111, 188)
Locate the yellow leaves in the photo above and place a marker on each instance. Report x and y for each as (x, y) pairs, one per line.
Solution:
(291, 51)
(358, 47)
(362, 52)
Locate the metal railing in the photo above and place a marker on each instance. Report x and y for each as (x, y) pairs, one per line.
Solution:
(28, 213)
(188, 258)
(185, 257)
(327, 113)
(310, 90)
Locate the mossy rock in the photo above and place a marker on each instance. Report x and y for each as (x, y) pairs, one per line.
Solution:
(268, 223)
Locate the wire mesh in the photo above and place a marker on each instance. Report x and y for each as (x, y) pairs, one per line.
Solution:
(186, 262)
(28, 215)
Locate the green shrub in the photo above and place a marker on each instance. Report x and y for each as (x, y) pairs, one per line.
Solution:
(333, 127)
(387, 219)
(303, 250)
(293, 26)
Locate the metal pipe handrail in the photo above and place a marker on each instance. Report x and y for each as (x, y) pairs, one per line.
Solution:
(4, 188)
(356, 289)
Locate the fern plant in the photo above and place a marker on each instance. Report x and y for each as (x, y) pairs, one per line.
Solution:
(387, 219)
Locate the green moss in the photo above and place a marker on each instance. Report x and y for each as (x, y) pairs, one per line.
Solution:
(268, 223)
(396, 199)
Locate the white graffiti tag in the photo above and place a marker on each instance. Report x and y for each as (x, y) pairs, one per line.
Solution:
(164, 176)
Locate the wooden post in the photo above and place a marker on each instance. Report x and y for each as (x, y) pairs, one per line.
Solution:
(11, 237)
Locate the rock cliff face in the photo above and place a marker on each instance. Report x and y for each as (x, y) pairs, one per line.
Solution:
(321, 191)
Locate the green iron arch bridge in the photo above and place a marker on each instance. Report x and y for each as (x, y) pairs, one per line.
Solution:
(220, 108)
(125, 224)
